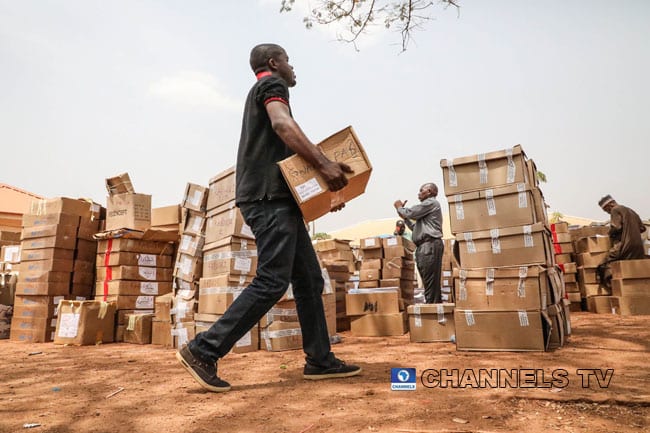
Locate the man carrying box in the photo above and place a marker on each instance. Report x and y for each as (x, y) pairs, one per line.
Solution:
(625, 228)
(427, 236)
(284, 249)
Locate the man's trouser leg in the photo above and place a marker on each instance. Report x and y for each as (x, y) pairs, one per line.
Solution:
(429, 262)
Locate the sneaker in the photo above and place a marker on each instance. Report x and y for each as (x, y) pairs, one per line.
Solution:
(338, 369)
(203, 372)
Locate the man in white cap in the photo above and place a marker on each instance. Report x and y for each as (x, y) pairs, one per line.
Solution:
(625, 233)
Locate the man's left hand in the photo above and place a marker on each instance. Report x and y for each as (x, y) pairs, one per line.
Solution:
(338, 207)
(399, 203)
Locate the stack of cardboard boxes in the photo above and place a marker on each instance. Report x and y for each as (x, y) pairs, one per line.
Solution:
(447, 274)
(631, 287)
(564, 250)
(189, 263)
(9, 259)
(337, 258)
(509, 295)
(591, 251)
(229, 258)
(132, 270)
(49, 240)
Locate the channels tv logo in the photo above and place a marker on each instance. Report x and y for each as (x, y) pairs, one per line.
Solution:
(402, 379)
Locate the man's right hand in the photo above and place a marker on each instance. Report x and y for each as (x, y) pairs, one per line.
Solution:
(334, 174)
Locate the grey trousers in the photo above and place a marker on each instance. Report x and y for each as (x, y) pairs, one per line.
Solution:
(428, 257)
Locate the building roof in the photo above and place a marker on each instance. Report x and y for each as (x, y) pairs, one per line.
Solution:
(15, 200)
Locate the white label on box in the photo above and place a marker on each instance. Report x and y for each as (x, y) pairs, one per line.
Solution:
(453, 179)
(521, 288)
(243, 264)
(243, 245)
(182, 336)
(185, 265)
(445, 282)
(195, 199)
(391, 242)
(56, 301)
(444, 297)
(197, 222)
(460, 210)
(528, 237)
(417, 321)
(144, 302)
(185, 242)
(491, 204)
(469, 318)
(510, 176)
(246, 231)
(523, 272)
(482, 169)
(496, 244)
(147, 272)
(327, 287)
(489, 288)
(523, 197)
(246, 340)
(182, 285)
(369, 242)
(441, 313)
(146, 260)
(242, 279)
(69, 325)
(149, 288)
(417, 309)
(446, 274)
(462, 291)
(308, 189)
(523, 318)
(471, 248)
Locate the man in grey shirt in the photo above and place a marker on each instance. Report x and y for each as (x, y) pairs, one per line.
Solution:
(427, 235)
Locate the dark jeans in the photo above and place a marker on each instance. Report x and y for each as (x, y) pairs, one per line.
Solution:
(428, 257)
(285, 255)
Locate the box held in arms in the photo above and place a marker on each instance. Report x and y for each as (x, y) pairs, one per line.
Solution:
(431, 322)
(85, 322)
(308, 187)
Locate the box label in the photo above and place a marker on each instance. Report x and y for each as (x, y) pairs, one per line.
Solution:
(147, 273)
(69, 325)
(243, 264)
(308, 189)
(149, 288)
(147, 260)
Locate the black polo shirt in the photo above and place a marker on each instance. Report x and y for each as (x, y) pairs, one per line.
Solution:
(260, 148)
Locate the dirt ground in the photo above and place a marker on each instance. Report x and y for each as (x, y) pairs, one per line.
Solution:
(74, 389)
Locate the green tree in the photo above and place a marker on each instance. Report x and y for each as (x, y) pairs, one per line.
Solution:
(320, 236)
(357, 16)
(556, 217)
(541, 176)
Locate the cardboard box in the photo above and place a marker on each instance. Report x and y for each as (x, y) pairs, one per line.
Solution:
(587, 275)
(163, 306)
(372, 301)
(32, 329)
(379, 325)
(135, 245)
(389, 272)
(138, 328)
(127, 302)
(371, 254)
(371, 243)
(10, 253)
(631, 287)
(121, 258)
(221, 188)
(589, 290)
(87, 229)
(322, 245)
(283, 311)
(128, 211)
(233, 255)
(560, 227)
(487, 170)
(631, 268)
(161, 333)
(369, 274)
(593, 244)
(195, 197)
(85, 250)
(368, 284)
(136, 273)
(590, 260)
(308, 187)
(35, 221)
(46, 254)
(120, 184)
(224, 222)
(501, 330)
(392, 241)
(37, 306)
(506, 206)
(188, 268)
(44, 277)
(166, 216)
(431, 322)
(58, 265)
(183, 333)
(216, 295)
(561, 259)
(43, 288)
(280, 336)
(524, 288)
(60, 205)
(568, 268)
(134, 288)
(600, 305)
(630, 305)
(398, 251)
(512, 246)
(191, 245)
(66, 239)
(193, 222)
(85, 322)
(563, 248)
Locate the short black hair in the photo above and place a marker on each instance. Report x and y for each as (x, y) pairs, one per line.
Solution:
(260, 55)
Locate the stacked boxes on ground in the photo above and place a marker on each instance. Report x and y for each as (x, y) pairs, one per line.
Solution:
(564, 250)
(189, 263)
(591, 245)
(9, 260)
(47, 269)
(131, 270)
(229, 258)
(337, 258)
(509, 295)
(631, 287)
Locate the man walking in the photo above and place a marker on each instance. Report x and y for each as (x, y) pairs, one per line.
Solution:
(427, 236)
(285, 253)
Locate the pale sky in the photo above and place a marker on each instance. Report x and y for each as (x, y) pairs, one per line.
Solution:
(91, 89)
